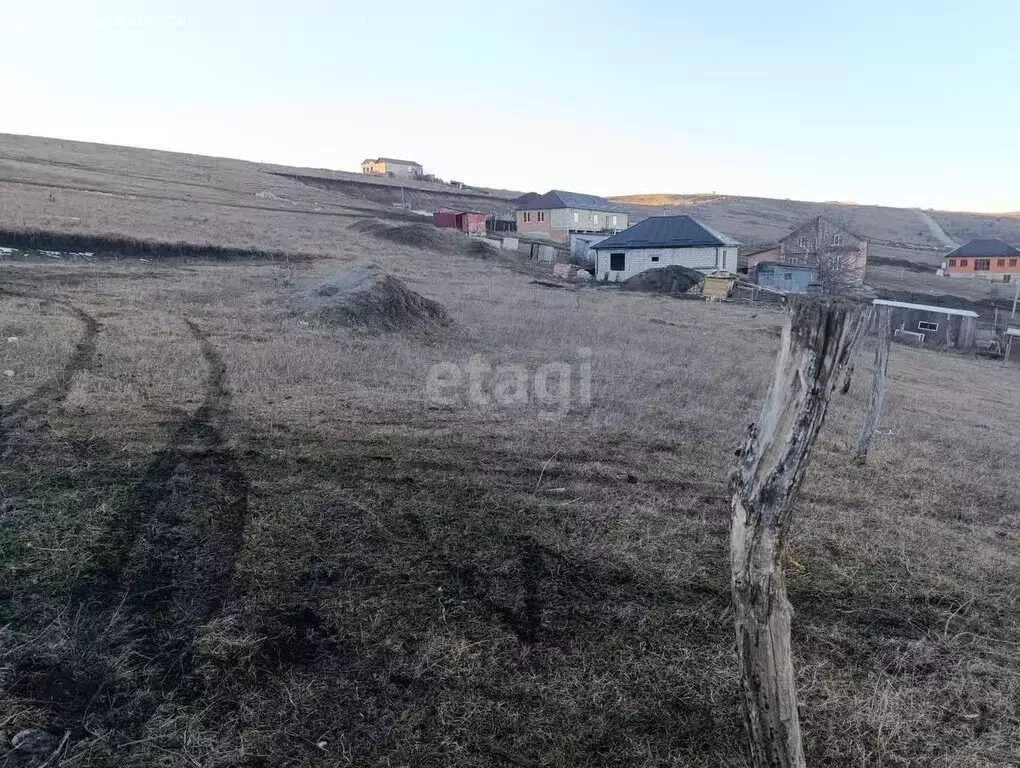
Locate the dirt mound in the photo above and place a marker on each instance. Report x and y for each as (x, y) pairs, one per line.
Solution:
(481, 248)
(426, 236)
(371, 226)
(672, 280)
(366, 297)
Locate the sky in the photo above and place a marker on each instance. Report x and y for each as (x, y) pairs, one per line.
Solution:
(893, 102)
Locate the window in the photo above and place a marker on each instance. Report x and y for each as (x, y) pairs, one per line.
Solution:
(614, 221)
(1012, 262)
(617, 262)
(952, 262)
(788, 275)
(655, 258)
(1000, 263)
(541, 216)
(982, 265)
(527, 217)
(577, 217)
(837, 239)
(963, 262)
(924, 326)
(803, 241)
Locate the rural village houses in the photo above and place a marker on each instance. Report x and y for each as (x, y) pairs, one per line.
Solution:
(557, 214)
(661, 241)
(837, 256)
(988, 259)
(387, 166)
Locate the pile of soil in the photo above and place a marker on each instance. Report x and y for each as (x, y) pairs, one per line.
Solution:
(672, 280)
(426, 236)
(368, 298)
(481, 249)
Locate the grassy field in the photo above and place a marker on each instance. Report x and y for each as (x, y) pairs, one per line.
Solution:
(231, 538)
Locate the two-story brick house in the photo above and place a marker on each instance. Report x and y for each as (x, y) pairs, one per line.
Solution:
(557, 213)
(839, 256)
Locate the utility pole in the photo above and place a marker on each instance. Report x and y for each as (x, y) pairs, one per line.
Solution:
(1016, 295)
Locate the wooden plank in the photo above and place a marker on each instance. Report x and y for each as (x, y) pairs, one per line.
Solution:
(884, 342)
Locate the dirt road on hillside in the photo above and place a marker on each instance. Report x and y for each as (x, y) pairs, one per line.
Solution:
(936, 230)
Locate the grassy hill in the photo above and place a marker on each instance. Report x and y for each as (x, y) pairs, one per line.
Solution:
(96, 190)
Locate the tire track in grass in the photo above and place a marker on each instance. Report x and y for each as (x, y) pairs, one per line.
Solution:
(179, 533)
(169, 560)
(39, 400)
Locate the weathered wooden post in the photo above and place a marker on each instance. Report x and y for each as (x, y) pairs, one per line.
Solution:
(818, 342)
(877, 386)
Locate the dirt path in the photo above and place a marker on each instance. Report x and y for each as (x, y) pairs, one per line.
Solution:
(936, 230)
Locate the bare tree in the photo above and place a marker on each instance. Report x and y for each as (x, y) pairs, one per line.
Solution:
(818, 342)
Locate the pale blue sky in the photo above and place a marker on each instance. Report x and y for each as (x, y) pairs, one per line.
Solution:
(900, 102)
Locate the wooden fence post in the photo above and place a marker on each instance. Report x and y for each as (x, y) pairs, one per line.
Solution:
(877, 386)
(819, 341)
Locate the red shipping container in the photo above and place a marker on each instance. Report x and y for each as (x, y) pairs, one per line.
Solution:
(472, 223)
(446, 219)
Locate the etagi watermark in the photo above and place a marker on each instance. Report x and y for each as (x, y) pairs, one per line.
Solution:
(554, 388)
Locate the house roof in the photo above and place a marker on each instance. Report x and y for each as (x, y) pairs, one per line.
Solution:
(557, 198)
(826, 219)
(755, 250)
(681, 231)
(990, 246)
(390, 160)
(926, 308)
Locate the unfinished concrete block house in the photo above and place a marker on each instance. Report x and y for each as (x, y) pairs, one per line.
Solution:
(660, 241)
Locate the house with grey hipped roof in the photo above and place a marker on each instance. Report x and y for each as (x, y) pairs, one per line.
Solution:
(557, 214)
(660, 241)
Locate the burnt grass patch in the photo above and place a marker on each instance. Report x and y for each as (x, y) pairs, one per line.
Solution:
(401, 609)
(419, 614)
(161, 568)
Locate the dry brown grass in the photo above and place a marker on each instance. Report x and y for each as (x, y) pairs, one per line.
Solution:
(250, 541)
